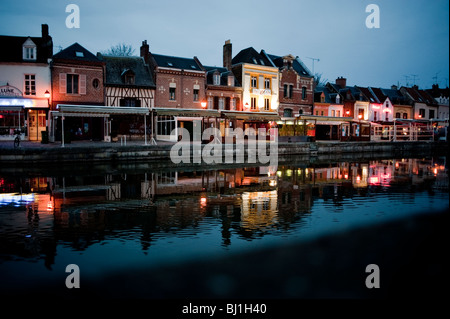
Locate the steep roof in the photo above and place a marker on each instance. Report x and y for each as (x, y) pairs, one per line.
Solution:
(297, 64)
(249, 55)
(116, 66)
(12, 48)
(177, 62)
(76, 52)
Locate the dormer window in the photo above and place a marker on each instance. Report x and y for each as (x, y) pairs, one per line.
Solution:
(216, 79)
(230, 80)
(79, 54)
(128, 77)
(29, 50)
(338, 99)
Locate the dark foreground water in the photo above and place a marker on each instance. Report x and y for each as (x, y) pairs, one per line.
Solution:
(118, 220)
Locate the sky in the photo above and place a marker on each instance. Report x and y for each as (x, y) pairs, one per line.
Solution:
(410, 46)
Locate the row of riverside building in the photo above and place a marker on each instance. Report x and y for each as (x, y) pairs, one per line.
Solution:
(75, 95)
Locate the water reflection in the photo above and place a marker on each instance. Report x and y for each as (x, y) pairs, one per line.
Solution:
(41, 216)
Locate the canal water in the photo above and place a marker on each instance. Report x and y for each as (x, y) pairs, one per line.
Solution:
(113, 219)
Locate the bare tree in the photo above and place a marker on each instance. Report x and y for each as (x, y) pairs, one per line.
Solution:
(120, 49)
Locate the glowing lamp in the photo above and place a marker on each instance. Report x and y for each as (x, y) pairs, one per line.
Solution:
(47, 94)
(203, 104)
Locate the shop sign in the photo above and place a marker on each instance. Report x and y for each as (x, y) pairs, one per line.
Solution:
(10, 91)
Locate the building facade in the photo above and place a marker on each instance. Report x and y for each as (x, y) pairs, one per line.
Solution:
(25, 85)
(77, 79)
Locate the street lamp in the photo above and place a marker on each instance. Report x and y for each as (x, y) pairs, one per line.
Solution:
(47, 96)
(203, 104)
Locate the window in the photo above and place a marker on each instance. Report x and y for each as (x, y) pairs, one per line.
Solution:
(266, 104)
(291, 88)
(338, 113)
(375, 116)
(405, 116)
(285, 91)
(397, 115)
(165, 125)
(254, 82)
(431, 114)
(322, 98)
(333, 113)
(361, 114)
(321, 113)
(30, 84)
(303, 93)
(129, 78)
(29, 54)
(172, 94)
(317, 112)
(79, 54)
(95, 83)
(253, 103)
(267, 84)
(387, 117)
(29, 50)
(216, 79)
(287, 113)
(196, 95)
(72, 84)
(221, 103)
(133, 102)
(422, 113)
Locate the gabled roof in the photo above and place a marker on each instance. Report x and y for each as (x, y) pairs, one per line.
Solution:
(330, 97)
(251, 56)
(419, 96)
(223, 72)
(76, 52)
(395, 96)
(12, 48)
(378, 93)
(116, 66)
(367, 94)
(177, 62)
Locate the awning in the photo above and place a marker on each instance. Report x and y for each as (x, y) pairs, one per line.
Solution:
(251, 116)
(187, 112)
(11, 108)
(99, 111)
(325, 118)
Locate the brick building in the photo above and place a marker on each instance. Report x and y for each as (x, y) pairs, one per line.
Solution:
(77, 79)
(180, 90)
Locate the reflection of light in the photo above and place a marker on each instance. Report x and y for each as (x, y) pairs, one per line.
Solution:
(346, 176)
(373, 180)
(289, 172)
(203, 200)
(49, 206)
(272, 182)
(279, 173)
(15, 198)
(435, 171)
(358, 179)
(388, 175)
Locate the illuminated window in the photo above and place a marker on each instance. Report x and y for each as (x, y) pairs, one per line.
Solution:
(267, 84)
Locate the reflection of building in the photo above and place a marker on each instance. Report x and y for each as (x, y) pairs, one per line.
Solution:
(259, 210)
(24, 84)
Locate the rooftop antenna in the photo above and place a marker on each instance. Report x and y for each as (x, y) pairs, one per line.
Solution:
(414, 78)
(435, 77)
(406, 79)
(313, 59)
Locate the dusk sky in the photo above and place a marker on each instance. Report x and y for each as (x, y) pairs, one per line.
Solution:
(410, 46)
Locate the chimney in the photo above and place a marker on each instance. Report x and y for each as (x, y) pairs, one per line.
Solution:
(44, 31)
(227, 52)
(145, 52)
(341, 81)
(394, 87)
